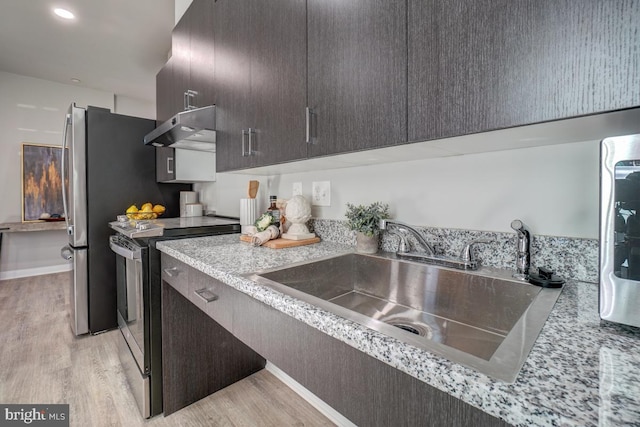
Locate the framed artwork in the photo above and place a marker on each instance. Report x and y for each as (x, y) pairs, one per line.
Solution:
(41, 181)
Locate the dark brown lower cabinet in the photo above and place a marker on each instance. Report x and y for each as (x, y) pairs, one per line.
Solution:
(199, 357)
(363, 389)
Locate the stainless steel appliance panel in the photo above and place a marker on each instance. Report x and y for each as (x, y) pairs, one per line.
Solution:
(130, 283)
(620, 229)
(106, 168)
(79, 289)
(135, 311)
(134, 296)
(131, 279)
(138, 382)
(74, 176)
(139, 299)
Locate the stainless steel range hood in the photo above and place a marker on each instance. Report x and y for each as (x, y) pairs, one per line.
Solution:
(190, 129)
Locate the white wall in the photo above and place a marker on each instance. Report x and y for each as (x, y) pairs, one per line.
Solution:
(135, 107)
(554, 189)
(32, 110)
(180, 7)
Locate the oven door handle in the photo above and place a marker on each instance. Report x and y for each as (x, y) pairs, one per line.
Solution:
(124, 252)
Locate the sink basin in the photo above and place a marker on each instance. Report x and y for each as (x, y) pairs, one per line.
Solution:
(486, 323)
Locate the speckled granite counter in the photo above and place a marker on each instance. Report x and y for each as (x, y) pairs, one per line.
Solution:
(579, 373)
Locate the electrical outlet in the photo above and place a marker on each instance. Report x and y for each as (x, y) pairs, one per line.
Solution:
(297, 189)
(321, 193)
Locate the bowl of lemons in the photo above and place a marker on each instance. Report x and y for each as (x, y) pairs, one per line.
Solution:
(146, 211)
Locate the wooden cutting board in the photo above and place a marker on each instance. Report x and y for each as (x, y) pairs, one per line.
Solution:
(282, 243)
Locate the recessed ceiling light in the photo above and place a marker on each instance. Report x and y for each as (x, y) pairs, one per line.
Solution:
(63, 13)
(74, 80)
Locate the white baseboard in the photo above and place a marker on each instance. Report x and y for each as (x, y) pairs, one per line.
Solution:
(36, 271)
(326, 410)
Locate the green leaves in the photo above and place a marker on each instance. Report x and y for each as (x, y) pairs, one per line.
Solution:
(366, 218)
(265, 220)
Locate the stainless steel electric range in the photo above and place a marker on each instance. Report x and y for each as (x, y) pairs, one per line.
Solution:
(138, 296)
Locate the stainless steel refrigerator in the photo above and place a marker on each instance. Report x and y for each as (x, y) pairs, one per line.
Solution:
(106, 168)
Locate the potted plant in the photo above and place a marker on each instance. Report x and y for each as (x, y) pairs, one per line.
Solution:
(364, 220)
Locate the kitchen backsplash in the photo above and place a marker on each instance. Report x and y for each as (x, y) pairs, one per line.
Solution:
(571, 258)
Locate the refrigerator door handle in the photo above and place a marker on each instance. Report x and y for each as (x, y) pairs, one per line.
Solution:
(67, 123)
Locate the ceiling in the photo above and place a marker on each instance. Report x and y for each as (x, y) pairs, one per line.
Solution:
(116, 46)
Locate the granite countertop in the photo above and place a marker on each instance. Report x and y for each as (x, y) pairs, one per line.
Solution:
(580, 372)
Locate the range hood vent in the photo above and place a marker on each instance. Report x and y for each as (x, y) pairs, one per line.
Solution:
(190, 129)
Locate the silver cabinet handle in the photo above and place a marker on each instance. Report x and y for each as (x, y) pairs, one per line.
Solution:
(244, 153)
(248, 133)
(188, 96)
(309, 116)
(170, 164)
(206, 295)
(251, 132)
(172, 272)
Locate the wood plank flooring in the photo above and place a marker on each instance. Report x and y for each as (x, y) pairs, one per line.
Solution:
(41, 362)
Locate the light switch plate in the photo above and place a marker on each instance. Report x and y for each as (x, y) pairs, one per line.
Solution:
(297, 189)
(321, 193)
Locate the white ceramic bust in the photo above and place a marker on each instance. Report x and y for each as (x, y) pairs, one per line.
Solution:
(298, 212)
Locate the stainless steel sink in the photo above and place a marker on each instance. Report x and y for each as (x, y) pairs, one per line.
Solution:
(484, 322)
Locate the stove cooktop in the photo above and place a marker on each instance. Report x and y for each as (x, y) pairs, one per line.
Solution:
(174, 226)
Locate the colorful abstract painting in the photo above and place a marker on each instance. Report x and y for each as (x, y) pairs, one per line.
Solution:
(41, 181)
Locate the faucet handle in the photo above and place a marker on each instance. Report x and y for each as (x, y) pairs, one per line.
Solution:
(467, 252)
(403, 247)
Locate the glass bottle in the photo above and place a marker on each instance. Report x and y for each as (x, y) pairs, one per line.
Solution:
(273, 209)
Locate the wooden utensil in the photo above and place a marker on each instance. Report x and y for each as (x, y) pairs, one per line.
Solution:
(253, 189)
(283, 243)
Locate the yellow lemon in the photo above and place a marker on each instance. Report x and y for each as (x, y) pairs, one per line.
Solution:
(159, 209)
(132, 209)
(147, 207)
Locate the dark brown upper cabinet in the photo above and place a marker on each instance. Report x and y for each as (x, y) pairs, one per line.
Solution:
(357, 76)
(384, 72)
(192, 56)
(166, 101)
(260, 82)
(478, 65)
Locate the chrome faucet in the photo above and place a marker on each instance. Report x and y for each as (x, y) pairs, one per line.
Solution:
(523, 257)
(401, 226)
(466, 260)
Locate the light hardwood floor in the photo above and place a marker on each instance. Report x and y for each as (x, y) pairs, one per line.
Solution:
(41, 362)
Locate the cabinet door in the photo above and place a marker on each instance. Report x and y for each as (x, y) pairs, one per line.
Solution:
(199, 357)
(181, 58)
(278, 80)
(232, 83)
(165, 164)
(201, 39)
(477, 65)
(357, 74)
(165, 100)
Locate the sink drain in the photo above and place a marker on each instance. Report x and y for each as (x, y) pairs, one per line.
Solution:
(416, 328)
(408, 329)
